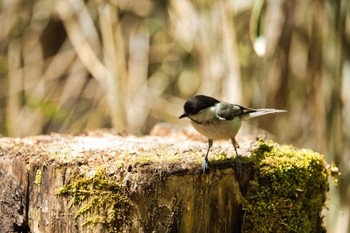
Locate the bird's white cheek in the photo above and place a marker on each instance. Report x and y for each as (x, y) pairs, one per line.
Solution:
(205, 115)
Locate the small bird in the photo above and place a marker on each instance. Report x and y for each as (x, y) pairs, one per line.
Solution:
(218, 120)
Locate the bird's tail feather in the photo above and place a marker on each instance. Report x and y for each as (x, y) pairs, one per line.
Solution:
(260, 112)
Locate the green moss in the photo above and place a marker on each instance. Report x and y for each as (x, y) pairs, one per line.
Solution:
(38, 179)
(288, 191)
(220, 159)
(101, 200)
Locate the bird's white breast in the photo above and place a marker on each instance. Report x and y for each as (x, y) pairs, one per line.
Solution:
(219, 129)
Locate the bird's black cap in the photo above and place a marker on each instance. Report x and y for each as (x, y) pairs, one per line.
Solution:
(197, 103)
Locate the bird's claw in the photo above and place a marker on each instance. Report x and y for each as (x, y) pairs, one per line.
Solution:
(205, 166)
(239, 166)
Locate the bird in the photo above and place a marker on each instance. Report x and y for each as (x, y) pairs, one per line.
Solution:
(219, 120)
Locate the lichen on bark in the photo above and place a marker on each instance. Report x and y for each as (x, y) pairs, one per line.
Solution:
(101, 198)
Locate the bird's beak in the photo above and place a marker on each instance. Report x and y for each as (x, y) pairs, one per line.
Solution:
(183, 115)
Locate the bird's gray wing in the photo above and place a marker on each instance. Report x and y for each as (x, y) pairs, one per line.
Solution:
(227, 111)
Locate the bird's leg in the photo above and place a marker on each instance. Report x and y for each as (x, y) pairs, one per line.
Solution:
(238, 160)
(205, 165)
(235, 145)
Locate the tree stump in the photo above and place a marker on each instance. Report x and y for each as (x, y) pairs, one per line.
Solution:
(105, 182)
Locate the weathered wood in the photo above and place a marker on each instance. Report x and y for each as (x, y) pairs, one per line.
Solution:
(158, 181)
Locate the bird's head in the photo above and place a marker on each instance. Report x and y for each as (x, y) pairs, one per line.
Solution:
(197, 103)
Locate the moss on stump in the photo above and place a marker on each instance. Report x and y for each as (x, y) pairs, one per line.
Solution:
(288, 190)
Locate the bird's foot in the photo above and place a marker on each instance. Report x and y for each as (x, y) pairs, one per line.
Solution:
(239, 166)
(205, 166)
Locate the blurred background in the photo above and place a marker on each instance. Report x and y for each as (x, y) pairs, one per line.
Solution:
(71, 65)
